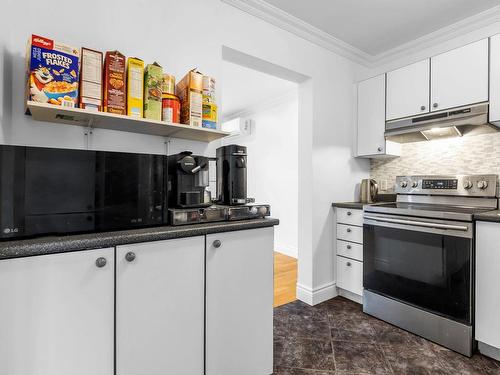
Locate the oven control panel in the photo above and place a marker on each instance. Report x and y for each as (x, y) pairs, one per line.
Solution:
(459, 185)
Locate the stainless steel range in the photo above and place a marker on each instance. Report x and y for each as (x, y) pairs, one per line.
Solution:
(418, 270)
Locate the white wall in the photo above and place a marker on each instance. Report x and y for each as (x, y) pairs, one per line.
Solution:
(165, 31)
(273, 157)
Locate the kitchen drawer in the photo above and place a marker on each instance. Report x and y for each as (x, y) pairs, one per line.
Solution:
(350, 250)
(349, 216)
(350, 275)
(350, 233)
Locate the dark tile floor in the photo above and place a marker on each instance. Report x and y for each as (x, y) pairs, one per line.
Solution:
(337, 338)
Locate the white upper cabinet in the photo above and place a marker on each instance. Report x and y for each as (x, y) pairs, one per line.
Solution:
(371, 116)
(408, 90)
(495, 79)
(460, 76)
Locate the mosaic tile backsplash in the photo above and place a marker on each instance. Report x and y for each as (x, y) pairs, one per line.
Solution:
(468, 155)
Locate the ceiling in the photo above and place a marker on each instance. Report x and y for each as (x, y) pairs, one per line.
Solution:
(377, 26)
(243, 88)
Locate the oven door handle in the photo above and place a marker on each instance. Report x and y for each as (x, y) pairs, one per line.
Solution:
(418, 223)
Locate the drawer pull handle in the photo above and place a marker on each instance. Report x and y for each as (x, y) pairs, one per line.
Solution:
(348, 230)
(130, 256)
(349, 213)
(349, 247)
(217, 244)
(348, 264)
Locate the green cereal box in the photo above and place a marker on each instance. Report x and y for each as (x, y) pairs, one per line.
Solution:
(153, 80)
(52, 72)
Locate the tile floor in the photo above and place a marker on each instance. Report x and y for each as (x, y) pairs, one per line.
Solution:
(337, 338)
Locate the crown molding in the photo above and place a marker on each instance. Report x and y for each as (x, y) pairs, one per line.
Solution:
(455, 30)
(285, 21)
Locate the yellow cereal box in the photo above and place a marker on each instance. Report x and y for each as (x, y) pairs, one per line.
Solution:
(135, 87)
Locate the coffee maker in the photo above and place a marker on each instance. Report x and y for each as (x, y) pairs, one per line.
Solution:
(232, 175)
(187, 181)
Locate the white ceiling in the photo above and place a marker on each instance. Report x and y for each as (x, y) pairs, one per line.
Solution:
(243, 88)
(377, 26)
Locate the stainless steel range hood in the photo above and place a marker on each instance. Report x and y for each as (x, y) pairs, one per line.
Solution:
(458, 122)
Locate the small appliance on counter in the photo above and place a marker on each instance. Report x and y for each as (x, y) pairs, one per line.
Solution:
(187, 183)
(368, 191)
(232, 175)
(231, 203)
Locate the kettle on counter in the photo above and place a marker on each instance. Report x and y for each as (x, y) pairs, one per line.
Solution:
(368, 191)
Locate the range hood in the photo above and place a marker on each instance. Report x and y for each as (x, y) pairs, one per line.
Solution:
(458, 122)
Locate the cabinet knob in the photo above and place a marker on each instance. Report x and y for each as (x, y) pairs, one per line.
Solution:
(348, 264)
(217, 244)
(100, 262)
(380, 149)
(348, 230)
(349, 247)
(422, 108)
(349, 213)
(435, 105)
(130, 256)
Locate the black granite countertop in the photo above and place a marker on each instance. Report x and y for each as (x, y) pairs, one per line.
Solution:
(381, 197)
(353, 205)
(488, 216)
(62, 244)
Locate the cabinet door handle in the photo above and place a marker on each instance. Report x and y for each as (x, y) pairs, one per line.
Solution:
(349, 213)
(217, 244)
(422, 108)
(348, 230)
(130, 256)
(100, 262)
(349, 247)
(435, 105)
(348, 264)
(380, 149)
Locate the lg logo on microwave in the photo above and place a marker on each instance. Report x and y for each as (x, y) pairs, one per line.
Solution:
(11, 230)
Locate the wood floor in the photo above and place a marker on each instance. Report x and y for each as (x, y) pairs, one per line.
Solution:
(285, 279)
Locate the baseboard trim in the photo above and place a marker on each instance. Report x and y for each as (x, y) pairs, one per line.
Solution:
(488, 350)
(350, 295)
(315, 296)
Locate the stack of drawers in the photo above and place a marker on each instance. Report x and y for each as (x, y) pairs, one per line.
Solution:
(350, 251)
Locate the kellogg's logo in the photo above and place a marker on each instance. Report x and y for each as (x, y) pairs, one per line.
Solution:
(42, 42)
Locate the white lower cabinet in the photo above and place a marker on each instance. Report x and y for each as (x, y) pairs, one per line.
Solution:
(57, 314)
(160, 307)
(239, 303)
(487, 283)
(350, 275)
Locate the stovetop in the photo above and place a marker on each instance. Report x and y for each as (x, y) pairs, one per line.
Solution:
(439, 211)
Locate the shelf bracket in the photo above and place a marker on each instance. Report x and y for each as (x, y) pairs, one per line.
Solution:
(89, 130)
(167, 145)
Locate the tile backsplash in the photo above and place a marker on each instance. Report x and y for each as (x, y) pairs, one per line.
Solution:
(468, 155)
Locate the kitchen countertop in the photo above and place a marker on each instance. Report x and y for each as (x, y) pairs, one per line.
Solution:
(62, 244)
(488, 216)
(382, 197)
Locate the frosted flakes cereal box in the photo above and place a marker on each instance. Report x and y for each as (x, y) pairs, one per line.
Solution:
(52, 70)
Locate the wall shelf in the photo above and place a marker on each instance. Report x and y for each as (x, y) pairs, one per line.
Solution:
(110, 121)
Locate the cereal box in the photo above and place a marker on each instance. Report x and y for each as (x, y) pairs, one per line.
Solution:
(189, 91)
(114, 83)
(209, 119)
(153, 80)
(135, 87)
(91, 80)
(52, 72)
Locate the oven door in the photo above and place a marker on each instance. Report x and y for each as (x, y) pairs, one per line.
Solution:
(422, 262)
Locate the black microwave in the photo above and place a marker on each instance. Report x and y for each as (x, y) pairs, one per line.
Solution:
(61, 191)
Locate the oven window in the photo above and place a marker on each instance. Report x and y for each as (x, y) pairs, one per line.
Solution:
(430, 271)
